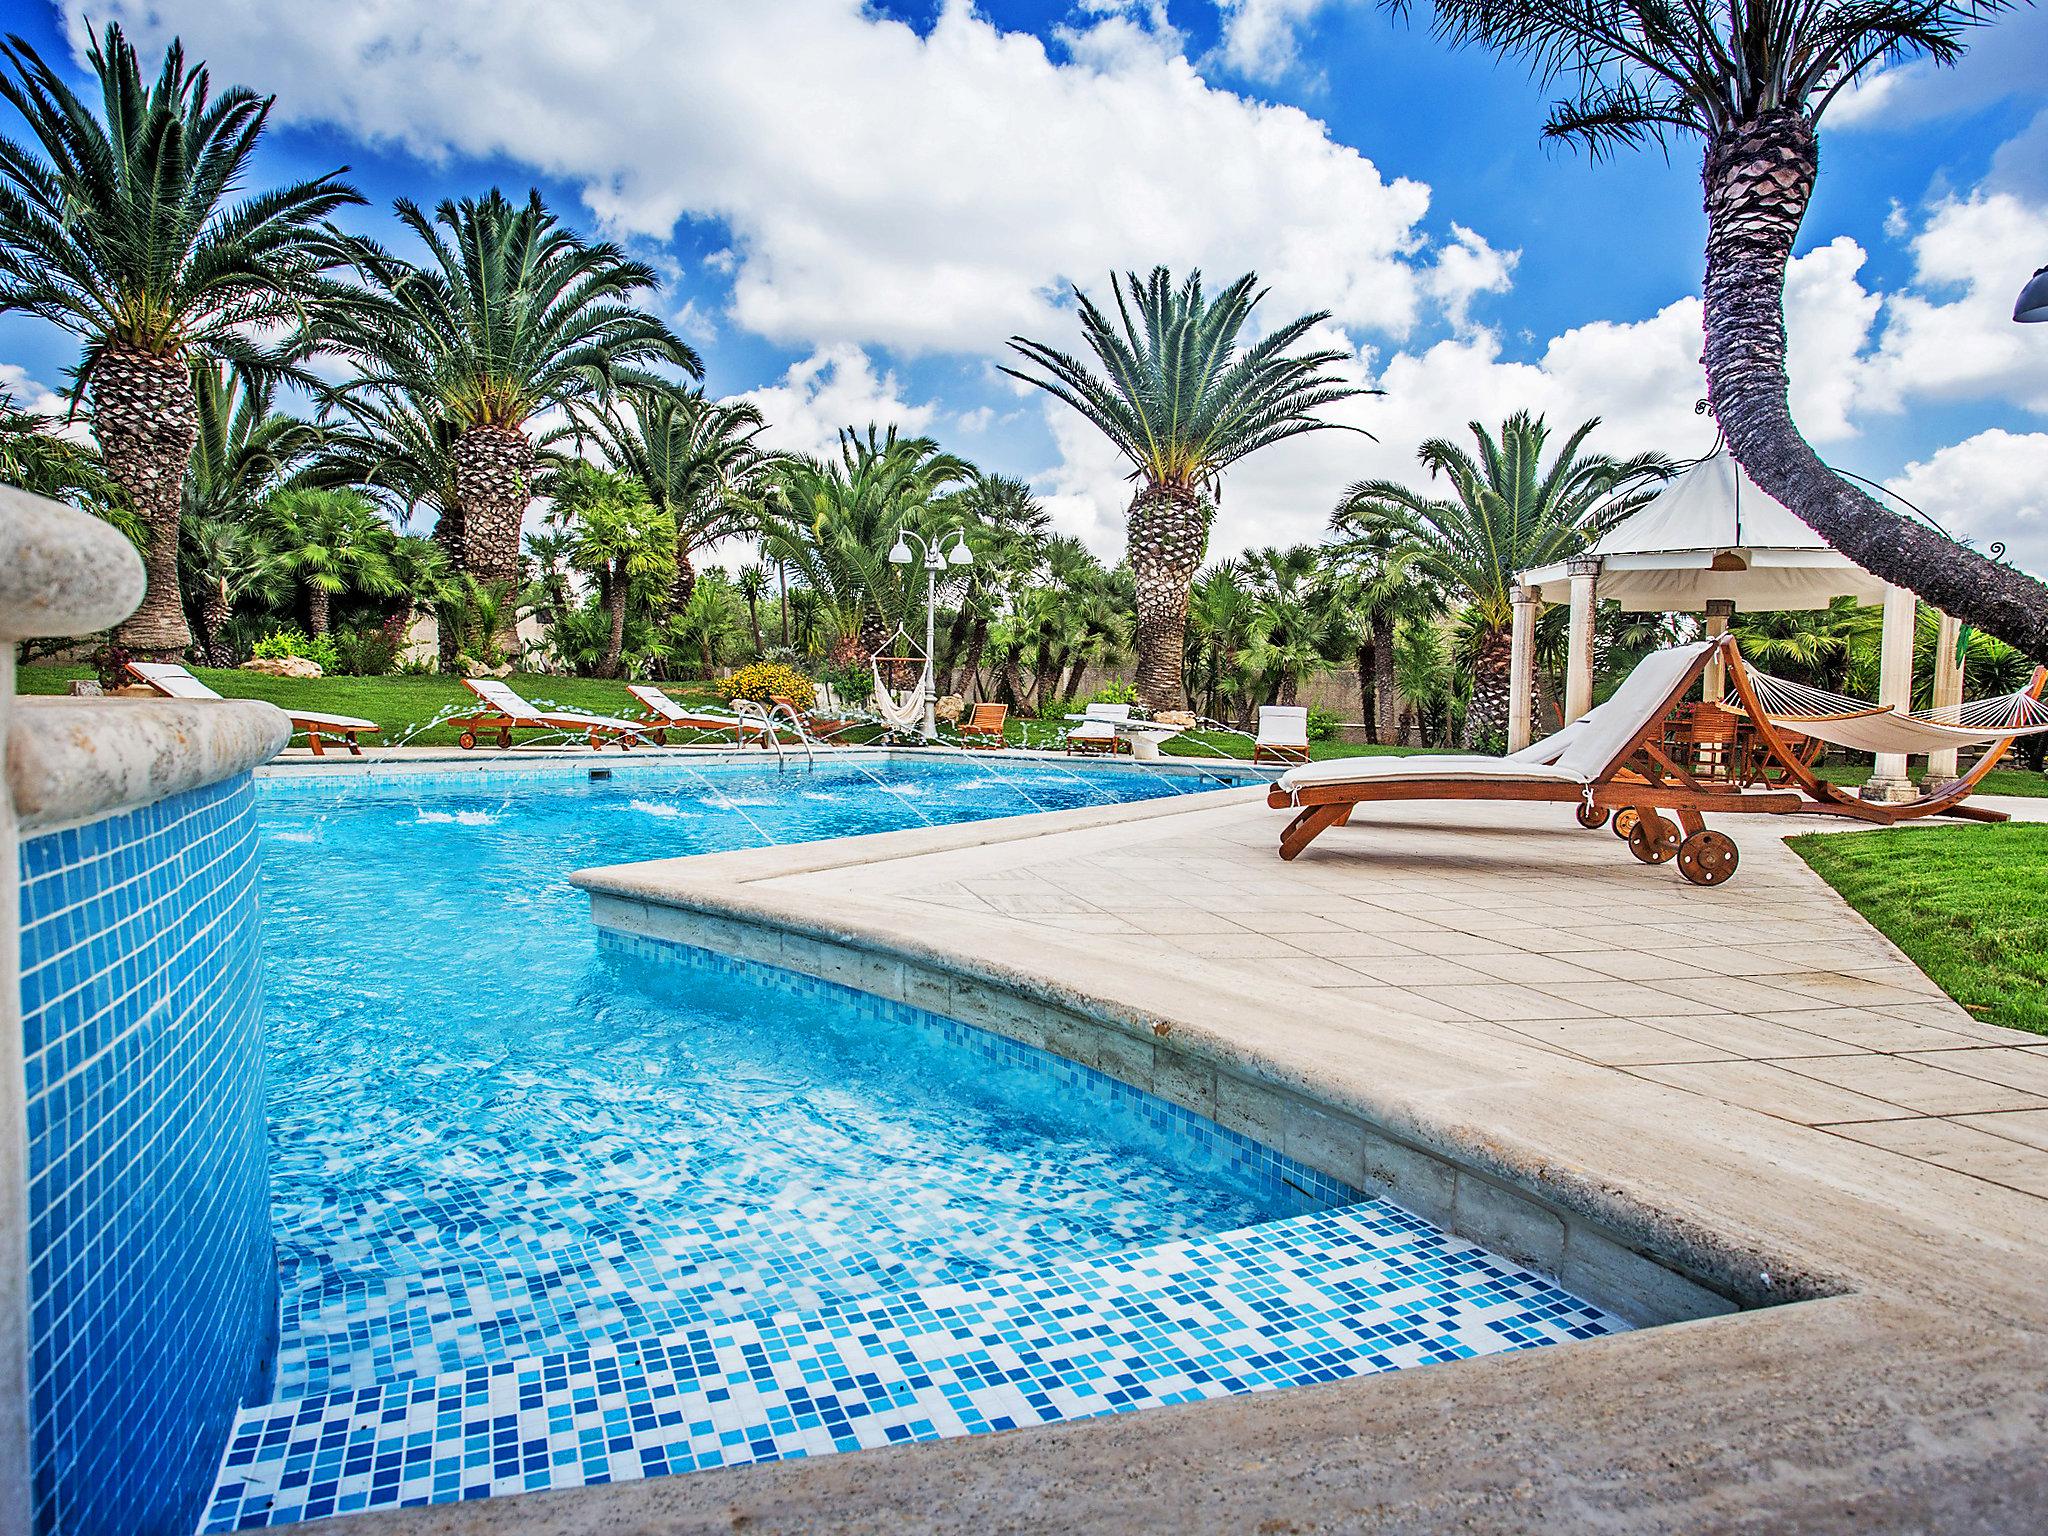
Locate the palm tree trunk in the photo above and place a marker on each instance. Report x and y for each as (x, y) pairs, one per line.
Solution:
(617, 588)
(318, 603)
(684, 582)
(1486, 718)
(1759, 178)
(956, 638)
(494, 481)
(1386, 694)
(146, 420)
(214, 612)
(1290, 689)
(1169, 530)
(1368, 710)
(977, 641)
(754, 622)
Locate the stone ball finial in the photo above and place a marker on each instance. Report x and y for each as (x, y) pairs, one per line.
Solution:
(62, 571)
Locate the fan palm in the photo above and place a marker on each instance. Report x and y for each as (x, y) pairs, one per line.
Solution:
(512, 313)
(1752, 78)
(620, 537)
(127, 231)
(697, 458)
(1219, 627)
(1372, 584)
(1183, 398)
(1006, 528)
(1289, 636)
(1506, 512)
(332, 544)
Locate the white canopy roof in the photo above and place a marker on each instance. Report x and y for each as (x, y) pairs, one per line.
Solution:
(1712, 534)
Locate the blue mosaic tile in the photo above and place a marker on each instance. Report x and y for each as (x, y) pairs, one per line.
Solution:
(1321, 1297)
(152, 1277)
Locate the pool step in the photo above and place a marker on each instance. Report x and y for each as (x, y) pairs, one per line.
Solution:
(432, 1305)
(1333, 1294)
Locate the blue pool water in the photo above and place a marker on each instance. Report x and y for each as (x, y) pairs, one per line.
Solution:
(493, 1135)
(554, 1209)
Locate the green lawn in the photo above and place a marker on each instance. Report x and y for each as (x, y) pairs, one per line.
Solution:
(396, 703)
(1968, 904)
(2000, 781)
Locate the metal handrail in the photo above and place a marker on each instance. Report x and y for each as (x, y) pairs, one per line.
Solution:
(803, 734)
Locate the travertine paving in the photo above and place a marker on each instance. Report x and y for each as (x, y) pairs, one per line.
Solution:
(1498, 921)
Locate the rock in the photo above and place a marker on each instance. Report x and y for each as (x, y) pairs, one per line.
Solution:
(1183, 718)
(950, 708)
(283, 666)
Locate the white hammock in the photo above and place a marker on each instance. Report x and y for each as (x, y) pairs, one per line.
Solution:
(902, 714)
(1867, 727)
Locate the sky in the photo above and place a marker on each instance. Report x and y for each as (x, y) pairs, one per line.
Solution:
(854, 206)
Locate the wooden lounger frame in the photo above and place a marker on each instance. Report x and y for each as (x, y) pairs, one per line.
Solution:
(1798, 765)
(312, 732)
(983, 727)
(1641, 778)
(494, 719)
(1262, 750)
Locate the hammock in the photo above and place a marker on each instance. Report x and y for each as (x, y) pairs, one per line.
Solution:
(901, 714)
(1867, 727)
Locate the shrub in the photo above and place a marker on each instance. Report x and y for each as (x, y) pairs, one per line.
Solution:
(1322, 724)
(1115, 691)
(110, 662)
(765, 680)
(280, 643)
(852, 685)
(365, 652)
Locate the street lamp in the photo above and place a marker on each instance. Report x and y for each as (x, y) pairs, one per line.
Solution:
(934, 553)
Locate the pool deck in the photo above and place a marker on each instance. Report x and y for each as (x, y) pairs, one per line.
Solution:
(1747, 1081)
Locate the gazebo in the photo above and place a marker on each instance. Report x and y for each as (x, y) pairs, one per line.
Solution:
(1709, 542)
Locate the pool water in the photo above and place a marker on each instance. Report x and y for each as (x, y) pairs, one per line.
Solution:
(495, 1135)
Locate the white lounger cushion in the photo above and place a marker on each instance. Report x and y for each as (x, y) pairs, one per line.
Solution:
(1589, 745)
(173, 681)
(656, 700)
(506, 702)
(1447, 765)
(1283, 725)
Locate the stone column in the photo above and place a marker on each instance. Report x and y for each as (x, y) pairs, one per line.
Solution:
(1522, 674)
(1714, 683)
(1578, 676)
(62, 572)
(1894, 687)
(1948, 689)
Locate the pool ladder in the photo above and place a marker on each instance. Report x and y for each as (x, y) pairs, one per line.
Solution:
(763, 720)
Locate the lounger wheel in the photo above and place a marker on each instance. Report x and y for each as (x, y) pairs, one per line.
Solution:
(1708, 858)
(466, 740)
(1652, 839)
(1592, 817)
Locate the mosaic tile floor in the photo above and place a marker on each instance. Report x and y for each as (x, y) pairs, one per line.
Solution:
(1334, 1294)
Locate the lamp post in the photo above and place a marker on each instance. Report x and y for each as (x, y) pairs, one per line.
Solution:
(2032, 307)
(934, 553)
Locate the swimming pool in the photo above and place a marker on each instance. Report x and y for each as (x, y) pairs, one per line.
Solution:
(504, 1148)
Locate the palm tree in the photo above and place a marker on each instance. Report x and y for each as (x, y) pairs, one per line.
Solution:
(751, 583)
(1372, 584)
(1289, 635)
(620, 537)
(697, 458)
(1506, 513)
(129, 231)
(833, 521)
(224, 560)
(332, 544)
(244, 448)
(511, 314)
(1006, 528)
(1219, 629)
(1183, 399)
(35, 456)
(1752, 78)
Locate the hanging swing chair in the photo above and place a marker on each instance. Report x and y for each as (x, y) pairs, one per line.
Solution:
(900, 709)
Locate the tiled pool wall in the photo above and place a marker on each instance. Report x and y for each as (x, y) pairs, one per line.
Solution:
(1587, 1258)
(152, 1276)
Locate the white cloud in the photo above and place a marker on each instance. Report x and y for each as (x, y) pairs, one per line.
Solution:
(1979, 249)
(836, 386)
(37, 398)
(1262, 38)
(2004, 59)
(921, 191)
(1466, 268)
(1989, 488)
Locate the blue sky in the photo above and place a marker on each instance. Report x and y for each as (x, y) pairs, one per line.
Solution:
(855, 206)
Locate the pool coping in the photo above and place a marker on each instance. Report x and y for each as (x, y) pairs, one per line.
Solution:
(1902, 1305)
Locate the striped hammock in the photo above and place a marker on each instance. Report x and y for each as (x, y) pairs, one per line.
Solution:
(1866, 727)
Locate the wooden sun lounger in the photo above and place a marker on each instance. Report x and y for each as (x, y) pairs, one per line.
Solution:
(508, 712)
(175, 682)
(665, 715)
(1097, 732)
(1616, 765)
(984, 728)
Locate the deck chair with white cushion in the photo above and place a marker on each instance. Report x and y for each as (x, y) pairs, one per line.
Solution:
(506, 712)
(1610, 760)
(1283, 734)
(175, 682)
(1096, 731)
(664, 714)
